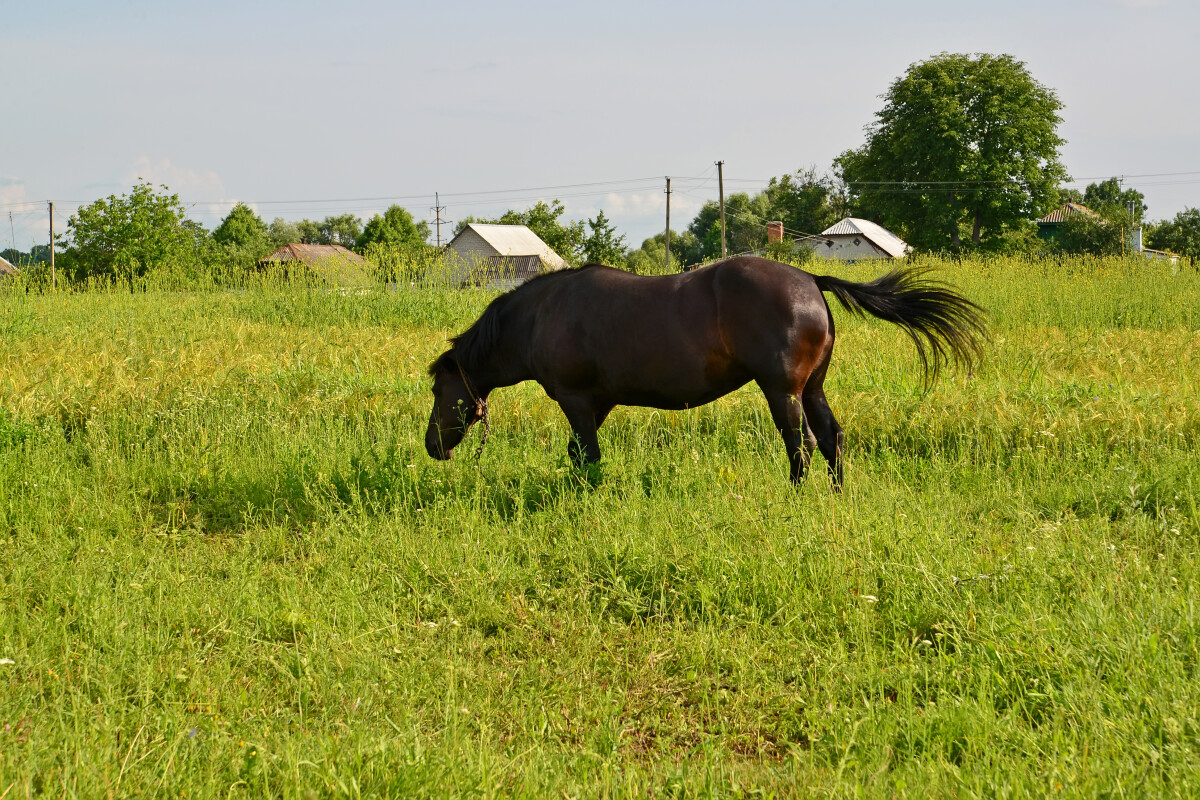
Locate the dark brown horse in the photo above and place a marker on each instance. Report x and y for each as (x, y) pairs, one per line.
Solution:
(597, 337)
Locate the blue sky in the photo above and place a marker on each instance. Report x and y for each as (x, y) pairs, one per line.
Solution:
(309, 109)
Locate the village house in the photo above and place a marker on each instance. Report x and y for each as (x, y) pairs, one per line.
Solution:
(855, 239)
(498, 256)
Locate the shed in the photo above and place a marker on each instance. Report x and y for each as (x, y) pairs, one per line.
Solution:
(487, 254)
(322, 256)
(855, 239)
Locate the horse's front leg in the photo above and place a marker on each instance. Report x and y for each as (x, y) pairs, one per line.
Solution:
(584, 447)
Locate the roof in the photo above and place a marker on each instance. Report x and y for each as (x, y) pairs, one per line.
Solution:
(6, 267)
(313, 254)
(514, 240)
(878, 235)
(1068, 209)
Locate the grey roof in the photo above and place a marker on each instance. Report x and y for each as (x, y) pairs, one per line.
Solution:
(878, 235)
(6, 267)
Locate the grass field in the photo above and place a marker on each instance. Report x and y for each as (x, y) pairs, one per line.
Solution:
(229, 569)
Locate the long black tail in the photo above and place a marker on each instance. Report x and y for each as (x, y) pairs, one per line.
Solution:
(942, 324)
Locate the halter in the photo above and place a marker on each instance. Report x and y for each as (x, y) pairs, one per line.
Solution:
(480, 405)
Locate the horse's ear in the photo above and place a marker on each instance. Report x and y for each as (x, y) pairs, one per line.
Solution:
(443, 362)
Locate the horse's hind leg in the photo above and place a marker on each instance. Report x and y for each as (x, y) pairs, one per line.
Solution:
(788, 415)
(824, 426)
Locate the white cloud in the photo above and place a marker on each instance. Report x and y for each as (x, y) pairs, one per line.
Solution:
(12, 192)
(202, 192)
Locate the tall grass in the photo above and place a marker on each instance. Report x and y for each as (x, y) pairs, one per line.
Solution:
(228, 568)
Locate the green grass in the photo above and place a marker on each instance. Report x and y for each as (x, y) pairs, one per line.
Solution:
(228, 568)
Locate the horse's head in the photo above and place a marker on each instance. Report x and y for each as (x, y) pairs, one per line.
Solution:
(456, 407)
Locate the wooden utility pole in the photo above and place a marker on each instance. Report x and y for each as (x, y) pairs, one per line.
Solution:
(721, 190)
(667, 265)
(53, 276)
(438, 208)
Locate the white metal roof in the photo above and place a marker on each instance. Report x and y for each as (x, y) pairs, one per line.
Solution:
(517, 240)
(880, 236)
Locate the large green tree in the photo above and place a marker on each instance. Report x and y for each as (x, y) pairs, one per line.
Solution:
(128, 236)
(1180, 235)
(242, 238)
(964, 146)
(241, 228)
(343, 229)
(603, 245)
(282, 232)
(805, 202)
(394, 228)
(1109, 199)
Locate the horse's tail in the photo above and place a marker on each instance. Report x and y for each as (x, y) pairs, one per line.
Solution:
(943, 325)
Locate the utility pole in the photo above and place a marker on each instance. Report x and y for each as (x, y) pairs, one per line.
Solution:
(53, 276)
(667, 265)
(438, 209)
(721, 190)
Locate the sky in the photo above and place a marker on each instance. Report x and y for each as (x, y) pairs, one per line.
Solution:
(306, 109)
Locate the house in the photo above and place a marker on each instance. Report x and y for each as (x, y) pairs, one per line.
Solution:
(855, 239)
(498, 256)
(1050, 225)
(6, 267)
(320, 256)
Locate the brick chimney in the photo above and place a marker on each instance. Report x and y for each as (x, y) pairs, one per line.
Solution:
(774, 232)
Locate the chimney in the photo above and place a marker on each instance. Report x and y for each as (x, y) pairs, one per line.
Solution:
(1136, 239)
(774, 232)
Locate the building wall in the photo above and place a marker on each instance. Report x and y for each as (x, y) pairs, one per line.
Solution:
(845, 249)
(464, 254)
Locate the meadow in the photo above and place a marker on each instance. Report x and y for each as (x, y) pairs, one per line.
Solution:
(229, 569)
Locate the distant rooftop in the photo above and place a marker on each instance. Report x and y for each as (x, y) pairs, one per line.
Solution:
(313, 255)
(1067, 210)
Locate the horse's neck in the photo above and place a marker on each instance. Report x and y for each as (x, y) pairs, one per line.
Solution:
(508, 364)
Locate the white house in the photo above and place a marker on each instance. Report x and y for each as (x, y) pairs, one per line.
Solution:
(857, 239)
(486, 254)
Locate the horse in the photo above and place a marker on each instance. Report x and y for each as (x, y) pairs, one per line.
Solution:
(596, 337)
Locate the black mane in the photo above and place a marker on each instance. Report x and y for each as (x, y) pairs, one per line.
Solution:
(472, 348)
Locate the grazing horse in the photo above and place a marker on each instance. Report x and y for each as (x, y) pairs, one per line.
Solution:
(597, 337)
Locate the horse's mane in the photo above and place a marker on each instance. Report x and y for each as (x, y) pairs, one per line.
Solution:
(472, 348)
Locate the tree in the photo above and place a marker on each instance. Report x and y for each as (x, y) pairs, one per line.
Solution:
(395, 228)
(650, 258)
(805, 202)
(1093, 234)
(963, 144)
(241, 228)
(242, 237)
(282, 232)
(130, 236)
(746, 221)
(1108, 199)
(1180, 235)
(603, 245)
(343, 229)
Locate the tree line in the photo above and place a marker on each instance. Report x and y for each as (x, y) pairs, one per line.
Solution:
(963, 157)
